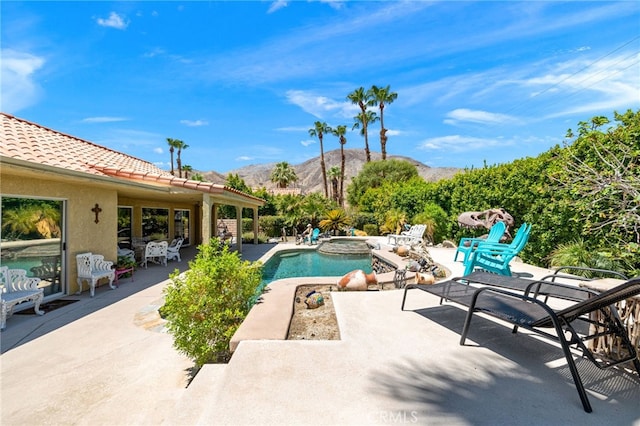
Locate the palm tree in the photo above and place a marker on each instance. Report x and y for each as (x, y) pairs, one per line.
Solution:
(173, 144)
(283, 174)
(362, 121)
(340, 131)
(381, 96)
(334, 174)
(187, 169)
(362, 98)
(320, 129)
(180, 145)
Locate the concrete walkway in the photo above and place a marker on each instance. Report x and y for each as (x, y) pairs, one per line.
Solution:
(106, 361)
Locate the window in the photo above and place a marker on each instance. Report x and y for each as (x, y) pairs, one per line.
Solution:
(181, 225)
(155, 223)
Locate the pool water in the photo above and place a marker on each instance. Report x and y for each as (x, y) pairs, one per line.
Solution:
(310, 263)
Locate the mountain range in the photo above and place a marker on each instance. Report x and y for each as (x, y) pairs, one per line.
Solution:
(310, 175)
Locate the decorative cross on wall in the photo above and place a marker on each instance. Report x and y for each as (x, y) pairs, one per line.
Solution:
(96, 210)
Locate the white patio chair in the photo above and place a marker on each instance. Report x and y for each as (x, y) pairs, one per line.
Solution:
(156, 251)
(92, 268)
(173, 251)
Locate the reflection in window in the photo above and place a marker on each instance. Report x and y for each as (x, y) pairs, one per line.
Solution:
(181, 225)
(155, 223)
(125, 215)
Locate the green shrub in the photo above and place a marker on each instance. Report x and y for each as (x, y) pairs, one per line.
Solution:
(371, 229)
(272, 225)
(206, 305)
(247, 238)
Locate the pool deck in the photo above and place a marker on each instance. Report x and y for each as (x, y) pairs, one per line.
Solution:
(107, 361)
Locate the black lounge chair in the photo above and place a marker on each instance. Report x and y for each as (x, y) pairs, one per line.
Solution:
(534, 314)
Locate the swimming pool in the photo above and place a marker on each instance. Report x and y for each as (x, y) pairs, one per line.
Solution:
(310, 263)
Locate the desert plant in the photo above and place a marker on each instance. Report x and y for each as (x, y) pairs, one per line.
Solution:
(336, 220)
(205, 305)
(577, 253)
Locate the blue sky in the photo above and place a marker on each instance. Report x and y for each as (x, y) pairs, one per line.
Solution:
(241, 83)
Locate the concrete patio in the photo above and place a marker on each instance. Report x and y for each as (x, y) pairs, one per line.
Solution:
(106, 361)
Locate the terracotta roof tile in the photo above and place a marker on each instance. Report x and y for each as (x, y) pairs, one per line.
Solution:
(31, 142)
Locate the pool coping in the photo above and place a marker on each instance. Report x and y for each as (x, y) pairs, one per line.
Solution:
(269, 319)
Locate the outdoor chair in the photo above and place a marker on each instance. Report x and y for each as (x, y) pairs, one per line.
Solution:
(564, 325)
(173, 250)
(92, 268)
(155, 251)
(467, 245)
(410, 237)
(313, 238)
(496, 257)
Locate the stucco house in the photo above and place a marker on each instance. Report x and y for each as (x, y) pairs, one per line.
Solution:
(62, 196)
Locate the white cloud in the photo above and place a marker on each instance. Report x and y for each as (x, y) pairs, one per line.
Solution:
(194, 123)
(158, 150)
(113, 21)
(458, 143)
(277, 5)
(19, 90)
(477, 116)
(244, 158)
(307, 142)
(321, 106)
(103, 119)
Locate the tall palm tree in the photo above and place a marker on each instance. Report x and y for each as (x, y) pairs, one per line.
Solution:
(334, 175)
(320, 129)
(340, 131)
(283, 174)
(187, 169)
(362, 121)
(382, 96)
(362, 98)
(173, 144)
(180, 145)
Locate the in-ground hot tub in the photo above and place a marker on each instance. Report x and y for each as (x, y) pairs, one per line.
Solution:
(344, 246)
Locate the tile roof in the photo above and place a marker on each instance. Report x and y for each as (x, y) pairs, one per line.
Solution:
(24, 140)
(31, 142)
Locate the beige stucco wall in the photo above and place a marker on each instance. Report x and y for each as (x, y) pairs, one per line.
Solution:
(82, 234)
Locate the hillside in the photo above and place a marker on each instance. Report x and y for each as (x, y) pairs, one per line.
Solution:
(310, 176)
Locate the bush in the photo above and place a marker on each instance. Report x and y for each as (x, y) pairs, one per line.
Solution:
(247, 238)
(206, 305)
(272, 225)
(371, 229)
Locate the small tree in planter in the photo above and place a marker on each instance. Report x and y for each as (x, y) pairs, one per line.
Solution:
(205, 305)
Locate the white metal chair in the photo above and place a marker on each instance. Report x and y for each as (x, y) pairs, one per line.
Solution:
(92, 268)
(156, 251)
(173, 250)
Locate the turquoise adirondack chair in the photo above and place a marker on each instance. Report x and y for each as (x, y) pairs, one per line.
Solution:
(467, 244)
(313, 238)
(495, 257)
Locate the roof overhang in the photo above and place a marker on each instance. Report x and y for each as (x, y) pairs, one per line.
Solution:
(135, 185)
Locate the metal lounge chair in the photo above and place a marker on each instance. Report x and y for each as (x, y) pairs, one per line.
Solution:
(496, 257)
(560, 325)
(467, 245)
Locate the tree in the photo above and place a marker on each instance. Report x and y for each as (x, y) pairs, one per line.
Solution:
(283, 174)
(180, 146)
(362, 121)
(382, 96)
(187, 169)
(375, 173)
(320, 129)
(173, 144)
(362, 98)
(334, 175)
(340, 131)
